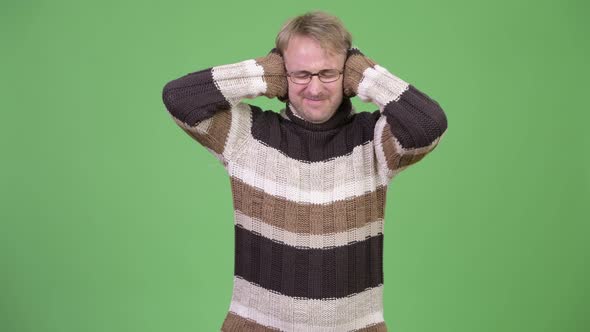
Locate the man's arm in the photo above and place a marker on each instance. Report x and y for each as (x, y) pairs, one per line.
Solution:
(204, 103)
(411, 124)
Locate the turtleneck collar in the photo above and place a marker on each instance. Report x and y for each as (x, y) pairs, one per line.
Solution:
(340, 117)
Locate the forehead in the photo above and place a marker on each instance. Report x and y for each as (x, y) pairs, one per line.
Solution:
(306, 53)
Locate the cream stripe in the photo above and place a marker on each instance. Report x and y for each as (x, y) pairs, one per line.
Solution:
(383, 169)
(380, 86)
(239, 132)
(288, 313)
(421, 150)
(201, 128)
(273, 323)
(273, 172)
(309, 240)
(239, 80)
(380, 152)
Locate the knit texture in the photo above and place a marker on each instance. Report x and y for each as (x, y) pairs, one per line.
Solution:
(309, 199)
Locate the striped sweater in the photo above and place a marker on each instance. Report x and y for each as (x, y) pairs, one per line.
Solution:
(308, 199)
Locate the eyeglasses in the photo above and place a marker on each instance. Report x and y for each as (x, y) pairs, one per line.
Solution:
(304, 77)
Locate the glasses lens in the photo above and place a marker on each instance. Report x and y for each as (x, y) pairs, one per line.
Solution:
(329, 75)
(300, 77)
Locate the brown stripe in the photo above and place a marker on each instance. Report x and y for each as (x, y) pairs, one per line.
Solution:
(308, 218)
(374, 328)
(217, 132)
(394, 159)
(236, 323)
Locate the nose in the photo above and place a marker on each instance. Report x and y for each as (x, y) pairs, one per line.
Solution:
(315, 85)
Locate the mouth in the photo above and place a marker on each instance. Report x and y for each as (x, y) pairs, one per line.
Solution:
(314, 101)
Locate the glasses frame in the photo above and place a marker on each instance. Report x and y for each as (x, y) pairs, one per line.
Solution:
(318, 74)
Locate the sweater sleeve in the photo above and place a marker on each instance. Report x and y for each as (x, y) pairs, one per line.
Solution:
(207, 104)
(410, 123)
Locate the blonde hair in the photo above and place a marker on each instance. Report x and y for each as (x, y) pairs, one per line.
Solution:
(327, 29)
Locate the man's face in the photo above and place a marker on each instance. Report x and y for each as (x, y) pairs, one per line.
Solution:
(316, 101)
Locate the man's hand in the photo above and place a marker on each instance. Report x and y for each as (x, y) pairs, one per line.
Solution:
(354, 67)
(274, 75)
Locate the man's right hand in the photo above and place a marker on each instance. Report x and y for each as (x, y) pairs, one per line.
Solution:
(275, 75)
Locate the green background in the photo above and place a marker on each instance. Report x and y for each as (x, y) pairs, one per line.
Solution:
(113, 219)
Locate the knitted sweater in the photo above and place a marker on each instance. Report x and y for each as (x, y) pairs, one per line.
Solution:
(308, 199)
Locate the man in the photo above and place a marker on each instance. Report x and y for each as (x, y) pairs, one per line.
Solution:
(308, 184)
